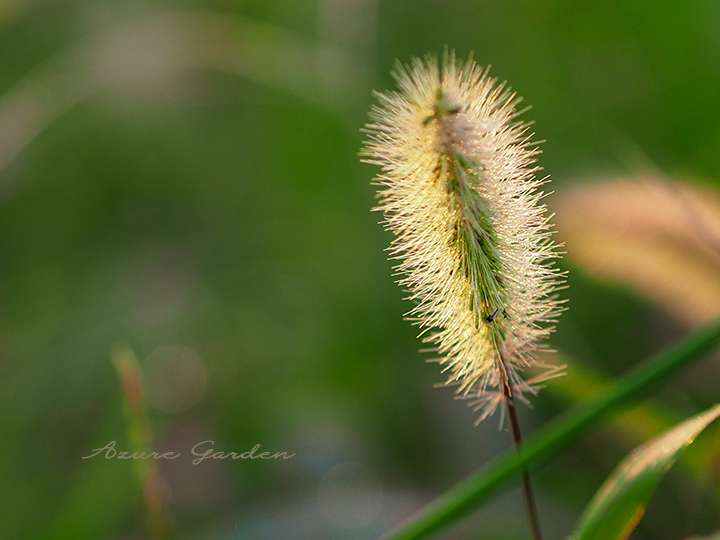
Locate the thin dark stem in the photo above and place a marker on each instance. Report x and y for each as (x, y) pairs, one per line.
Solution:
(529, 496)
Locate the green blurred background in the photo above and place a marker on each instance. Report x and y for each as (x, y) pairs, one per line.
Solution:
(182, 177)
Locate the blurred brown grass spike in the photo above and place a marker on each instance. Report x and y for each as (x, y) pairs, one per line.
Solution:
(660, 237)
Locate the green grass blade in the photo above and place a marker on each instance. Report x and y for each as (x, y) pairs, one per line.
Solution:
(637, 424)
(618, 506)
(458, 501)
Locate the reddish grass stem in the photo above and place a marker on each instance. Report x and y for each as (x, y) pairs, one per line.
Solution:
(528, 495)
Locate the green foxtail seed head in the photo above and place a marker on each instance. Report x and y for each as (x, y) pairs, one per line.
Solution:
(473, 241)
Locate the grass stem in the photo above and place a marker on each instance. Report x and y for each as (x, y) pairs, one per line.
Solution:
(528, 495)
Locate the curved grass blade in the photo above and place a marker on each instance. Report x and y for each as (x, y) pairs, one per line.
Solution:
(469, 493)
(619, 504)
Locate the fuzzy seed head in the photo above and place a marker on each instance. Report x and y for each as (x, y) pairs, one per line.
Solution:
(472, 240)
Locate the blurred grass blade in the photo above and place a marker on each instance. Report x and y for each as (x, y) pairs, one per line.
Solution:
(620, 503)
(141, 441)
(160, 48)
(468, 494)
